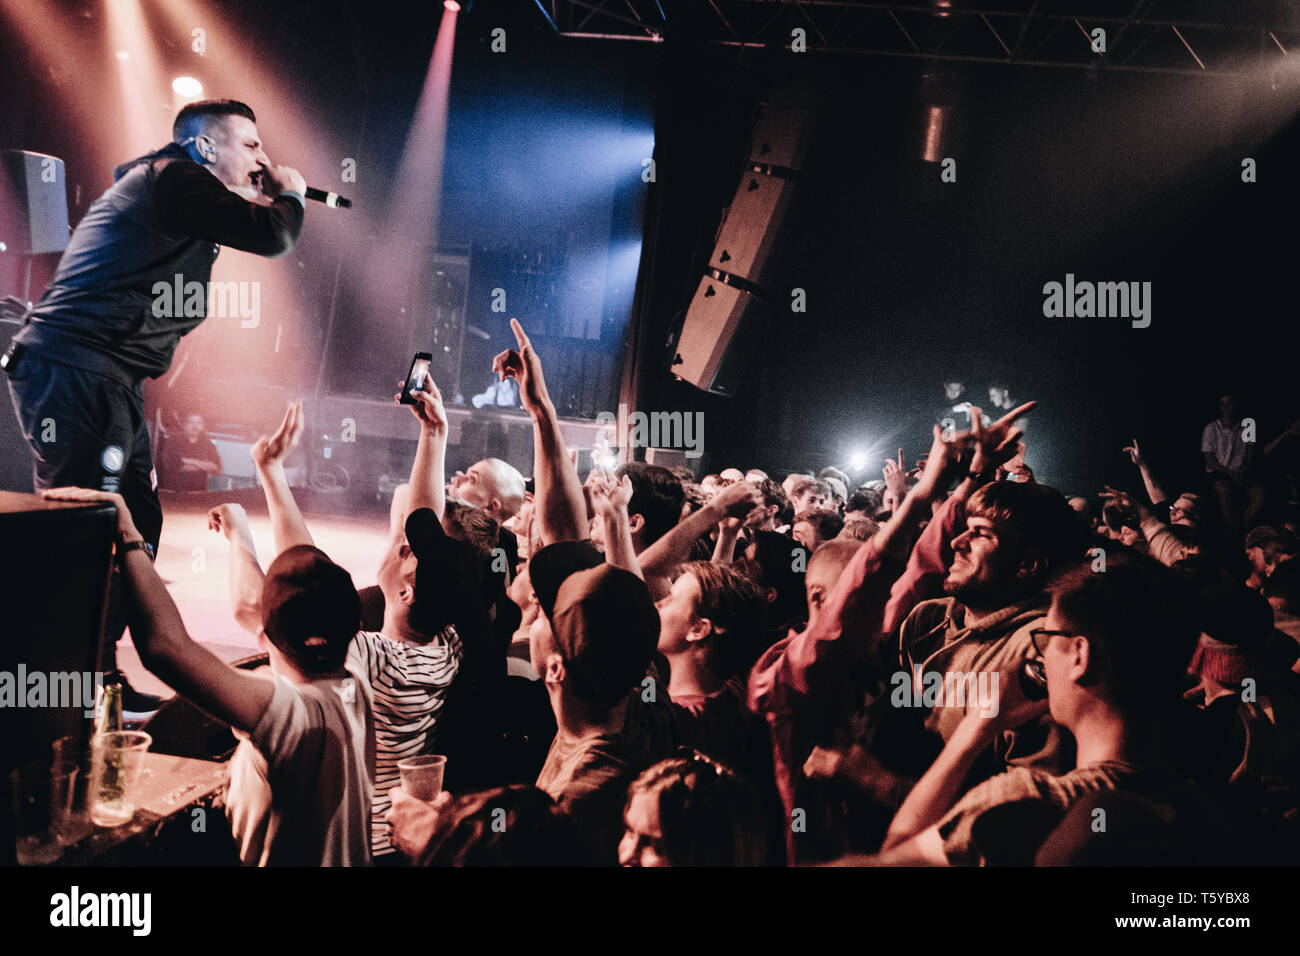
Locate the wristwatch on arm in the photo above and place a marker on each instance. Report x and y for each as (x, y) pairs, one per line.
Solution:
(122, 546)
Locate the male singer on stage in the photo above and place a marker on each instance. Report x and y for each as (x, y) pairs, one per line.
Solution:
(77, 368)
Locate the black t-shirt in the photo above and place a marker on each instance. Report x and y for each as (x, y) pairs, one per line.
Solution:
(161, 224)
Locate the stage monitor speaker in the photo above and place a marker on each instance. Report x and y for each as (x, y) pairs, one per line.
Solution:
(55, 562)
(749, 232)
(33, 202)
(719, 331)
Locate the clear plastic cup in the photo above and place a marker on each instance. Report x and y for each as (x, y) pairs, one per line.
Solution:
(41, 793)
(422, 776)
(116, 761)
(74, 825)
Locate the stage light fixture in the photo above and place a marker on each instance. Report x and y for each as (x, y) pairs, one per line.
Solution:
(451, 6)
(187, 86)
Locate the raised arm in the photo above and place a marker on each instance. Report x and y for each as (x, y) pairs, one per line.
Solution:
(166, 649)
(1155, 491)
(734, 501)
(970, 457)
(561, 509)
(808, 665)
(862, 605)
(428, 487)
(245, 573)
(193, 201)
(895, 475)
(269, 453)
(724, 550)
(611, 500)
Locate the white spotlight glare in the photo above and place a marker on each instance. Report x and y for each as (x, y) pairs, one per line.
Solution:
(187, 86)
(122, 55)
(858, 461)
(451, 5)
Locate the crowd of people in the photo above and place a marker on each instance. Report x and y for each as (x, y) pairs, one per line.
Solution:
(954, 665)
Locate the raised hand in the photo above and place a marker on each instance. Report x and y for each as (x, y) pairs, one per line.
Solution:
(735, 502)
(599, 473)
(998, 443)
(275, 179)
(896, 477)
(228, 519)
(1121, 498)
(428, 408)
(525, 367)
(944, 460)
(271, 450)
(611, 497)
(916, 470)
(1134, 453)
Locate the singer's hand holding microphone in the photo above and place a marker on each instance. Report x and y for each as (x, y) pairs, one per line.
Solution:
(277, 179)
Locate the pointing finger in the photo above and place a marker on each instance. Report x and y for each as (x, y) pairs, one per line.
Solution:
(521, 337)
(1017, 412)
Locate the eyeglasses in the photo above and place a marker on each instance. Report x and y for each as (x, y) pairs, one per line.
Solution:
(1041, 636)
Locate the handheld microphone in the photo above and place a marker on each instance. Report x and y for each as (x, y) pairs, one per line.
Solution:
(333, 200)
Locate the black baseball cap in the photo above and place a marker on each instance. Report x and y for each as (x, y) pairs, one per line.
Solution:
(310, 609)
(550, 566)
(606, 628)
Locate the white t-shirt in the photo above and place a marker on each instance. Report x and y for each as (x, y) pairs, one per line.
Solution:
(1225, 444)
(409, 684)
(300, 783)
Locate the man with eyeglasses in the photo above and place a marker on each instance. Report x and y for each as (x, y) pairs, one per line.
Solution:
(1114, 648)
